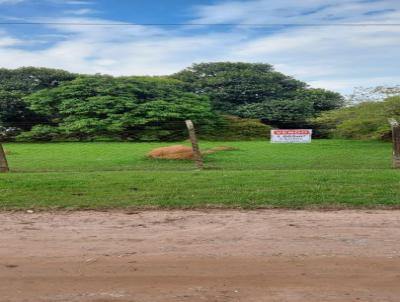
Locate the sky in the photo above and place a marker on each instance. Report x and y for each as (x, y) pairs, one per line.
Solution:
(334, 56)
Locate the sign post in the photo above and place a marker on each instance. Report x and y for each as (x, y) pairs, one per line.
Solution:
(3, 161)
(299, 136)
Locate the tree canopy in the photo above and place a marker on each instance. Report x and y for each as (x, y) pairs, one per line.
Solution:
(295, 111)
(27, 80)
(14, 112)
(230, 85)
(51, 104)
(141, 108)
(258, 91)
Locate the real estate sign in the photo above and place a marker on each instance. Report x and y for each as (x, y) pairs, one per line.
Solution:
(303, 136)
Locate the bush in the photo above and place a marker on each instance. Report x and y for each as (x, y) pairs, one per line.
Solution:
(367, 120)
(8, 133)
(41, 133)
(235, 128)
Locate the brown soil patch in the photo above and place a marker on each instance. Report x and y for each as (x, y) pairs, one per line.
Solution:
(268, 255)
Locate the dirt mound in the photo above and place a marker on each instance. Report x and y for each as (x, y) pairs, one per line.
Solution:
(172, 152)
(182, 152)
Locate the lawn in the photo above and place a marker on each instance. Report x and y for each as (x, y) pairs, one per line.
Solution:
(326, 173)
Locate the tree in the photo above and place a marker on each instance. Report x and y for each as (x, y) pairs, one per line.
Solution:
(279, 113)
(27, 80)
(230, 85)
(321, 99)
(14, 112)
(257, 91)
(132, 108)
(294, 112)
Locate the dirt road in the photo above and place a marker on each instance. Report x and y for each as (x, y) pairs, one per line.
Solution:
(200, 256)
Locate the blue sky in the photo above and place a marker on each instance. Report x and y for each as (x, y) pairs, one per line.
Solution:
(333, 57)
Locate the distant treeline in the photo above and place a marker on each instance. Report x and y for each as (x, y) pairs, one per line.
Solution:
(225, 100)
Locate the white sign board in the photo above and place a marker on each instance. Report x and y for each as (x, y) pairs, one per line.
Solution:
(302, 136)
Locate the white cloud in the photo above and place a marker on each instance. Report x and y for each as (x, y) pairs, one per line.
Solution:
(339, 58)
(80, 12)
(11, 1)
(295, 11)
(68, 2)
(78, 2)
(8, 41)
(336, 57)
(120, 50)
(347, 85)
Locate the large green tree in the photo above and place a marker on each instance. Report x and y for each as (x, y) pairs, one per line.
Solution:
(27, 80)
(137, 108)
(295, 111)
(17, 83)
(258, 91)
(230, 85)
(281, 113)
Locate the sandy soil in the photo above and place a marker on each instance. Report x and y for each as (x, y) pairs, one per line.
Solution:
(200, 256)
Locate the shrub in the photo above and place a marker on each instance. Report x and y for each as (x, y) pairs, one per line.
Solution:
(235, 128)
(41, 133)
(367, 120)
(8, 133)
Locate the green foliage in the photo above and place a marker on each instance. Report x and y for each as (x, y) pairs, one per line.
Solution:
(230, 85)
(27, 80)
(295, 112)
(71, 107)
(41, 133)
(282, 113)
(129, 108)
(320, 99)
(367, 120)
(13, 110)
(232, 128)
(257, 91)
(15, 84)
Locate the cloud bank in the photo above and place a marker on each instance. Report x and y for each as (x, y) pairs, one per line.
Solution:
(334, 57)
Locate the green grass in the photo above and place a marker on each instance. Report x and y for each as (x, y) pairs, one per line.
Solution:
(327, 173)
(258, 155)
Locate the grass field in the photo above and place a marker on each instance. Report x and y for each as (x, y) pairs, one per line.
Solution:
(327, 173)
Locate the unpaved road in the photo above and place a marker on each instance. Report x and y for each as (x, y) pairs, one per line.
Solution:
(195, 256)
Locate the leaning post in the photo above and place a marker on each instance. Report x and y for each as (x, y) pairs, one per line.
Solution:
(195, 145)
(396, 142)
(3, 160)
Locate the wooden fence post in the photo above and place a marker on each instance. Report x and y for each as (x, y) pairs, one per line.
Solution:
(396, 143)
(195, 145)
(3, 160)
